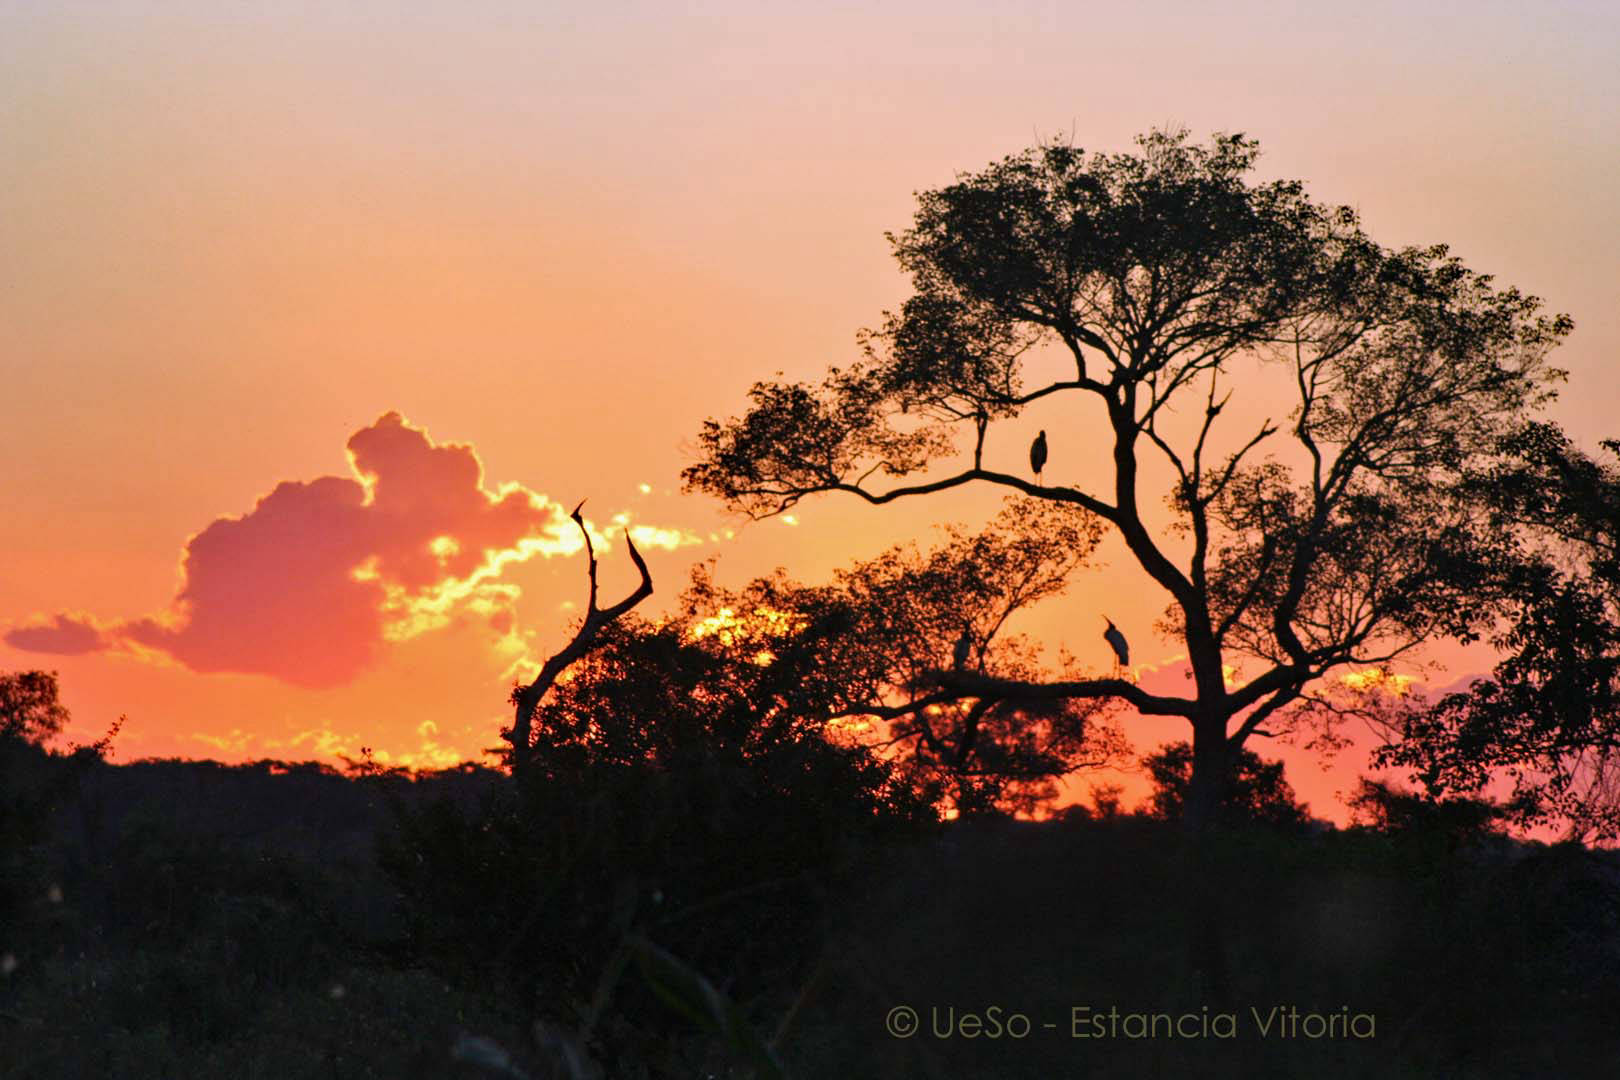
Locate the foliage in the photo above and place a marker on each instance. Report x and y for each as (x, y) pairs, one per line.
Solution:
(701, 775)
(34, 781)
(1508, 970)
(1548, 717)
(1391, 810)
(690, 993)
(717, 769)
(679, 791)
(214, 934)
(30, 708)
(27, 792)
(1164, 280)
(776, 663)
(193, 919)
(908, 611)
(1257, 793)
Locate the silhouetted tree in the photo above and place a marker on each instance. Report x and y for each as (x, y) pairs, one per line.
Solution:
(34, 781)
(1383, 806)
(1163, 280)
(1256, 791)
(30, 708)
(776, 663)
(690, 778)
(1548, 717)
(526, 698)
(679, 787)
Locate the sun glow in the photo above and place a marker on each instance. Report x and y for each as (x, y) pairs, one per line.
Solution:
(732, 628)
(1377, 680)
(851, 727)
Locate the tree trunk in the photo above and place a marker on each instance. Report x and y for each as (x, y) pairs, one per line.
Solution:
(1208, 782)
(1201, 891)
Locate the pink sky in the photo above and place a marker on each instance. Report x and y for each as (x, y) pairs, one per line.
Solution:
(549, 243)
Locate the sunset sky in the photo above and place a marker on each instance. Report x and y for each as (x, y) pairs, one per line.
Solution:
(293, 296)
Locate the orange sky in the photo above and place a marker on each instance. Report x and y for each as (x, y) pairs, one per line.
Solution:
(231, 242)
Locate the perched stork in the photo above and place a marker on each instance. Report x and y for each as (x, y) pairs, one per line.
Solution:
(1117, 642)
(964, 644)
(1037, 455)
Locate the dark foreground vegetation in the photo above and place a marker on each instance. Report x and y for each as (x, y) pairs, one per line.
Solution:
(191, 919)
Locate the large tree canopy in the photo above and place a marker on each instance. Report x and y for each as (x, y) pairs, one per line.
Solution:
(1338, 530)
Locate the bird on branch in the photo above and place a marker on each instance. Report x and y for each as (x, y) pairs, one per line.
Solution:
(1116, 641)
(964, 644)
(1037, 455)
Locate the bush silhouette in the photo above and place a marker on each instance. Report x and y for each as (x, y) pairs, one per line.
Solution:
(1256, 794)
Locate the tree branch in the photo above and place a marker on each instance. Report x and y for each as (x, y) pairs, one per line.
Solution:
(1251, 723)
(972, 684)
(1039, 491)
(596, 620)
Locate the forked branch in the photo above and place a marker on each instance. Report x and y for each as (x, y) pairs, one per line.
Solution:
(527, 698)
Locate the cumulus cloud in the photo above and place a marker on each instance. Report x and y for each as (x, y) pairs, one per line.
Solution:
(65, 635)
(321, 575)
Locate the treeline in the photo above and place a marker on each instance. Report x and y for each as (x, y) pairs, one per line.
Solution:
(753, 911)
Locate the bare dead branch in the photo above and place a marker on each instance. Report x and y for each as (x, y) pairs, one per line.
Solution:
(595, 621)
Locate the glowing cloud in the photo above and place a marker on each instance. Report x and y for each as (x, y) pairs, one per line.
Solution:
(65, 635)
(320, 575)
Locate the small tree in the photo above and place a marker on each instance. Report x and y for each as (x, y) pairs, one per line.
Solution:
(1383, 806)
(1256, 791)
(1162, 282)
(32, 782)
(30, 708)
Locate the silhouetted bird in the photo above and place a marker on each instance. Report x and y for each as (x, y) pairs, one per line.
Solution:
(959, 655)
(1037, 455)
(1117, 642)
